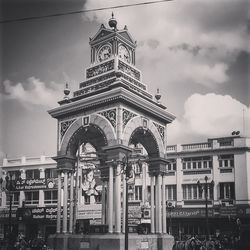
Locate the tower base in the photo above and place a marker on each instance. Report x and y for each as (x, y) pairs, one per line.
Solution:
(110, 242)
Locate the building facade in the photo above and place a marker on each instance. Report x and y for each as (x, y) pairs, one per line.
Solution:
(219, 168)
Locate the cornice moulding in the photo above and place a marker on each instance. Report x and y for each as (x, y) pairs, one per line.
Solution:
(117, 94)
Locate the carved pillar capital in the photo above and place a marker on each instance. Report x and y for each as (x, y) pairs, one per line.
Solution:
(65, 162)
(157, 166)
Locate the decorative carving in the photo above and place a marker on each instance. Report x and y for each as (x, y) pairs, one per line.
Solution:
(137, 83)
(93, 88)
(131, 86)
(127, 116)
(110, 115)
(129, 70)
(161, 130)
(96, 80)
(100, 69)
(64, 126)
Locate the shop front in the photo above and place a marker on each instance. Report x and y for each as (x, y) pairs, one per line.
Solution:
(187, 222)
(39, 220)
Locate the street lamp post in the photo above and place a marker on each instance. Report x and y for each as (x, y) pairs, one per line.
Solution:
(128, 171)
(205, 188)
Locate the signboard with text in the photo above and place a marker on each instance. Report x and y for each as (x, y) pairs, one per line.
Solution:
(38, 213)
(36, 184)
(189, 213)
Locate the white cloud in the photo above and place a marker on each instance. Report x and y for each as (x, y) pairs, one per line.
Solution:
(217, 29)
(35, 92)
(210, 115)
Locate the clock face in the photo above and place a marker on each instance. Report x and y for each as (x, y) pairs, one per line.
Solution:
(104, 53)
(124, 53)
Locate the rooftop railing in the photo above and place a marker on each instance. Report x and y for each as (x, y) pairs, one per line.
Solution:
(196, 146)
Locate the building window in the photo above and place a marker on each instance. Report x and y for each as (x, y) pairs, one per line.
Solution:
(138, 168)
(197, 163)
(15, 198)
(138, 193)
(16, 174)
(32, 197)
(226, 161)
(171, 166)
(33, 174)
(193, 192)
(51, 173)
(170, 192)
(227, 190)
(50, 197)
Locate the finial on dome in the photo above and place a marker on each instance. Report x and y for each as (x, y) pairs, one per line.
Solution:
(158, 96)
(66, 91)
(112, 22)
(125, 27)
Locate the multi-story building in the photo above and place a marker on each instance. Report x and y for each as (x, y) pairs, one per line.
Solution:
(216, 173)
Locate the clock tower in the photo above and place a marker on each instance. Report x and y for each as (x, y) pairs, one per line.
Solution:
(111, 42)
(113, 111)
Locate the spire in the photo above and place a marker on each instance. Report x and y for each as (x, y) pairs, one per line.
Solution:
(158, 96)
(66, 91)
(112, 22)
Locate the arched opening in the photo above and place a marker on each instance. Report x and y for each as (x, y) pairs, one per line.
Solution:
(91, 134)
(147, 140)
(85, 145)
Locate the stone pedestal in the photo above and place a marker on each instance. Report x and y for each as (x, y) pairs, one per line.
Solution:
(111, 242)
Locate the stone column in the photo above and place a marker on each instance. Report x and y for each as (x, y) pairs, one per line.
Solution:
(159, 205)
(152, 197)
(110, 212)
(65, 164)
(71, 202)
(59, 194)
(118, 199)
(41, 192)
(65, 200)
(22, 195)
(103, 202)
(124, 203)
(164, 222)
(156, 204)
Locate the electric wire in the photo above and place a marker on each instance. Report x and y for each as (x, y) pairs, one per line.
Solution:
(79, 12)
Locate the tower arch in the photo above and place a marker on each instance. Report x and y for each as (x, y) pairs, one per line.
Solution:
(136, 132)
(98, 132)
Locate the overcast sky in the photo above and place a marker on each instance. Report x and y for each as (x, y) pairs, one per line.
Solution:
(196, 52)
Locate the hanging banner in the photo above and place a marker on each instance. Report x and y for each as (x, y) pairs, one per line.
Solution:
(90, 184)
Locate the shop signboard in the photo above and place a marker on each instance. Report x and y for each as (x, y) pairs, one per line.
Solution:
(189, 213)
(91, 211)
(36, 184)
(228, 211)
(134, 211)
(38, 213)
(4, 213)
(243, 211)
